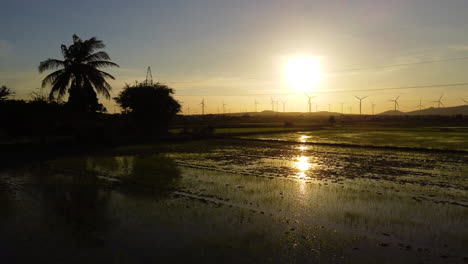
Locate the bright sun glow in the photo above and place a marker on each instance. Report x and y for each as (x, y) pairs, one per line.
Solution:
(302, 164)
(302, 73)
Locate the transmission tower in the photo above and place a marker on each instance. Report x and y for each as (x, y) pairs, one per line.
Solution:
(149, 77)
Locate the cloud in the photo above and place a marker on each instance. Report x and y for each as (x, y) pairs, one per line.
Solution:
(5, 48)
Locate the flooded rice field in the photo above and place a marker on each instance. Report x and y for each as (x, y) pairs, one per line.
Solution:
(237, 201)
(453, 138)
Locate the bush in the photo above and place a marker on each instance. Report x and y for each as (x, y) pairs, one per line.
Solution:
(151, 105)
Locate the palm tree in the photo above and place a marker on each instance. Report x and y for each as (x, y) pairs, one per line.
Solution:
(79, 74)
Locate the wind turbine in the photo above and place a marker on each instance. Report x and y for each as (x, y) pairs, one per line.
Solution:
(309, 102)
(439, 102)
(203, 106)
(420, 105)
(373, 107)
(272, 104)
(256, 103)
(360, 103)
(396, 102)
(466, 102)
(224, 107)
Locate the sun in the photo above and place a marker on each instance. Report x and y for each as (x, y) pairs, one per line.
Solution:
(302, 73)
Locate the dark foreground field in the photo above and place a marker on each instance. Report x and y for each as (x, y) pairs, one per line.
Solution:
(237, 201)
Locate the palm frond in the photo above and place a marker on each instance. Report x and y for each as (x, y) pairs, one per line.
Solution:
(50, 64)
(93, 44)
(50, 79)
(98, 56)
(60, 86)
(102, 64)
(76, 39)
(65, 52)
(100, 84)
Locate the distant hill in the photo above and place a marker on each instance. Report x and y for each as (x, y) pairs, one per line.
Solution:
(393, 112)
(270, 112)
(455, 110)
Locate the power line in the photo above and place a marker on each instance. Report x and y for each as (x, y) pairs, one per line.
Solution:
(346, 91)
(396, 65)
(356, 69)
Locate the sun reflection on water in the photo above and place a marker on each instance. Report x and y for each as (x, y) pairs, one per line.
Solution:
(303, 165)
(302, 148)
(303, 138)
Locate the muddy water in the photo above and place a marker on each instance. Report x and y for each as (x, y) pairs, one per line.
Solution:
(235, 202)
(428, 138)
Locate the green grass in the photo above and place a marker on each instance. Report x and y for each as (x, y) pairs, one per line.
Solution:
(252, 130)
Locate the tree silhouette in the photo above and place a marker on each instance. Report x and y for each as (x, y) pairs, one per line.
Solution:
(79, 74)
(5, 92)
(152, 105)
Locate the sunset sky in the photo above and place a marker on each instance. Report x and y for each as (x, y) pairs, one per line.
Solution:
(236, 51)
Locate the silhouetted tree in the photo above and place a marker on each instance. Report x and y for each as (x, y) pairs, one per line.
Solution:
(79, 74)
(5, 92)
(152, 105)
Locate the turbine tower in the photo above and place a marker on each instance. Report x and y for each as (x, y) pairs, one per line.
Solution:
(439, 102)
(284, 106)
(256, 103)
(360, 103)
(420, 106)
(396, 102)
(224, 108)
(309, 102)
(329, 108)
(342, 104)
(373, 107)
(203, 106)
(272, 104)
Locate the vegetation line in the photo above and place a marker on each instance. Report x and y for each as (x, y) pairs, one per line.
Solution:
(347, 145)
